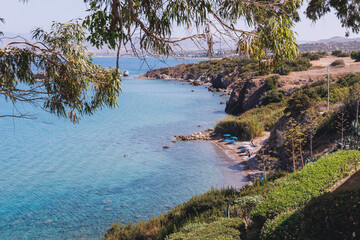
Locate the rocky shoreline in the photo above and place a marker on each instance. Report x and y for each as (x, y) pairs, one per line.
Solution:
(203, 135)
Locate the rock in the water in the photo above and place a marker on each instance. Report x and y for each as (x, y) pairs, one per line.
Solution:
(126, 73)
(165, 147)
(222, 102)
(204, 135)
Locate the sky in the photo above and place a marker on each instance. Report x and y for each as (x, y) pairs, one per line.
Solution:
(24, 17)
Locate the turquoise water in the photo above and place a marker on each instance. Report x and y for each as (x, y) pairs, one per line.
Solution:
(65, 181)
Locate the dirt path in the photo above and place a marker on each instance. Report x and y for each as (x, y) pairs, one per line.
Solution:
(249, 164)
(318, 71)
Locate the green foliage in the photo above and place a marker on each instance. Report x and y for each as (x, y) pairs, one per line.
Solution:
(199, 209)
(338, 63)
(252, 123)
(311, 56)
(286, 226)
(298, 103)
(72, 86)
(224, 228)
(246, 204)
(299, 188)
(333, 216)
(336, 52)
(355, 55)
(344, 54)
(298, 64)
(330, 216)
(271, 82)
(349, 79)
(272, 96)
(113, 23)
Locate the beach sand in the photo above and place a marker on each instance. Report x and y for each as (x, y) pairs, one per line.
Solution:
(241, 161)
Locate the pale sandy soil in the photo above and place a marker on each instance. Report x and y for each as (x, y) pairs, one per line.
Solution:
(247, 165)
(319, 71)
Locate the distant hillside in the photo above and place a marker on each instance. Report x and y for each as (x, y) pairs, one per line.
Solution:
(328, 45)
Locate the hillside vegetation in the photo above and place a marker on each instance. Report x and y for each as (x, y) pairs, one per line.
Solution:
(286, 206)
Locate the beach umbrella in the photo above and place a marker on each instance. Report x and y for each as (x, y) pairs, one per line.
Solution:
(227, 135)
(234, 137)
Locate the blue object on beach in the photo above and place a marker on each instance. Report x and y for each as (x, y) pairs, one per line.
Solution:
(226, 135)
(234, 137)
(262, 178)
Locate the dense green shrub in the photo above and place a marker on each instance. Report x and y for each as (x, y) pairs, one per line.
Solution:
(272, 96)
(298, 103)
(252, 123)
(355, 55)
(298, 64)
(340, 53)
(336, 52)
(299, 188)
(333, 216)
(344, 54)
(311, 56)
(349, 79)
(224, 228)
(271, 82)
(286, 226)
(338, 63)
(322, 53)
(204, 208)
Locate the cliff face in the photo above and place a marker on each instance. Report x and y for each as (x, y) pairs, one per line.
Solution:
(245, 95)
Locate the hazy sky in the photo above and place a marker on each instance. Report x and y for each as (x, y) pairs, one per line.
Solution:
(22, 18)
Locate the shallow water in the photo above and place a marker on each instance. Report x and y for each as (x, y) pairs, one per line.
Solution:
(65, 181)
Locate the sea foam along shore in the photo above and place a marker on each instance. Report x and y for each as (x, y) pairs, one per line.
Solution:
(247, 165)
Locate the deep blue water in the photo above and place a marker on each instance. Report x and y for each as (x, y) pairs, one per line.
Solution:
(65, 181)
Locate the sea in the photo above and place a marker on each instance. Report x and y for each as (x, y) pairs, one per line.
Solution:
(60, 180)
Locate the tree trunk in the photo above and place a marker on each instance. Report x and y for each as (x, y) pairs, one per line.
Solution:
(342, 138)
(293, 153)
(357, 111)
(311, 153)
(301, 156)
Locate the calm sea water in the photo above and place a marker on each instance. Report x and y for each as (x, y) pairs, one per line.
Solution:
(65, 181)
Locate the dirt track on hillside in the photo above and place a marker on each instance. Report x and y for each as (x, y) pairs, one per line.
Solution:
(317, 72)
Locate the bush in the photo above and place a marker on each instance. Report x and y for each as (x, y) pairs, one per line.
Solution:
(333, 216)
(298, 64)
(252, 123)
(298, 103)
(355, 55)
(311, 56)
(344, 54)
(271, 82)
(225, 228)
(336, 52)
(338, 63)
(272, 96)
(299, 188)
(349, 79)
(285, 226)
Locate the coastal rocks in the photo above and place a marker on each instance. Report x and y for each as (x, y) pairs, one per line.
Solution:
(204, 135)
(246, 94)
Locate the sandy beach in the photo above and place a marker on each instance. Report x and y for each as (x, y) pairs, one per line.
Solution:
(248, 165)
(240, 161)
